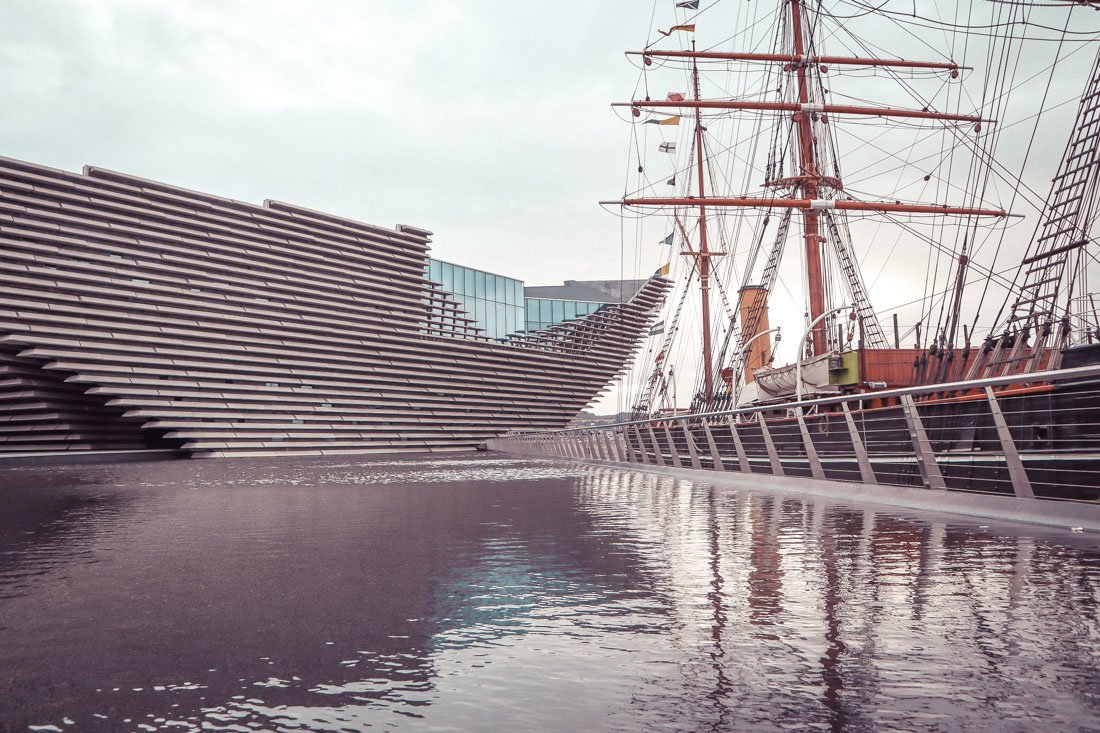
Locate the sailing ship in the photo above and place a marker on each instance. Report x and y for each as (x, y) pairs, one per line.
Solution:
(763, 125)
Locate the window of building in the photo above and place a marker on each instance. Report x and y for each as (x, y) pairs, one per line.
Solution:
(494, 303)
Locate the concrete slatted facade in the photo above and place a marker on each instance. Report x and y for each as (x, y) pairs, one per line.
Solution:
(138, 315)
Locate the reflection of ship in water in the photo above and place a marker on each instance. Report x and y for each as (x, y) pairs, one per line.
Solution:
(335, 595)
(827, 610)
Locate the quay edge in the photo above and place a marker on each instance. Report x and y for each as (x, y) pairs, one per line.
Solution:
(1066, 515)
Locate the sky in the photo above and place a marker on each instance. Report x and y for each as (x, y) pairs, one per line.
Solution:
(485, 122)
(488, 123)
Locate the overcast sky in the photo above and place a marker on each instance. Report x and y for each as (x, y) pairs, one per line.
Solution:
(486, 122)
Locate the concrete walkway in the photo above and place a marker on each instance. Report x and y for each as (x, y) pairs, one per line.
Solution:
(1073, 515)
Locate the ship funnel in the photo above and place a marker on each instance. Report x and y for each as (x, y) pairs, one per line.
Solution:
(753, 305)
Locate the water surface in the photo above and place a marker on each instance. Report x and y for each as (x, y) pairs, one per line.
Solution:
(473, 593)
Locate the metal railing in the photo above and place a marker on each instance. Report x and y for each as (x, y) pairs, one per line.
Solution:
(1029, 436)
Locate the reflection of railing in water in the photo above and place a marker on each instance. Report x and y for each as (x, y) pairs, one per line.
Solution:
(1031, 437)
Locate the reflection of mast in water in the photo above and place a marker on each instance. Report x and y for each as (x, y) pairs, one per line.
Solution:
(722, 685)
(831, 671)
(766, 574)
(931, 540)
(1016, 593)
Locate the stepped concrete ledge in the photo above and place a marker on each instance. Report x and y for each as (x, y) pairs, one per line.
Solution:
(1073, 515)
(63, 457)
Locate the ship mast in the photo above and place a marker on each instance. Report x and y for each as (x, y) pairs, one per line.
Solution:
(703, 255)
(819, 196)
(808, 183)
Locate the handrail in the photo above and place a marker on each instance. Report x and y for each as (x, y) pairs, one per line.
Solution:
(1053, 375)
(1008, 441)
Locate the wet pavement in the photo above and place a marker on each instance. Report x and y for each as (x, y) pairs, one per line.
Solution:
(468, 593)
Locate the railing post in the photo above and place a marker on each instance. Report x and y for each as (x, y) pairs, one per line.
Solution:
(693, 452)
(715, 456)
(609, 444)
(739, 448)
(643, 452)
(675, 454)
(612, 445)
(628, 447)
(922, 447)
(591, 448)
(658, 454)
(773, 455)
(626, 436)
(630, 454)
(594, 446)
(811, 450)
(1021, 484)
(866, 473)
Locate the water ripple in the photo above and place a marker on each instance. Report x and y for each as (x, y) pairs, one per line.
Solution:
(474, 592)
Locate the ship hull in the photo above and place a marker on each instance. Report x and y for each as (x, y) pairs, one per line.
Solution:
(1053, 429)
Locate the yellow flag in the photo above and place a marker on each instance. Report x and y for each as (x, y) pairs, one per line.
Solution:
(662, 271)
(670, 121)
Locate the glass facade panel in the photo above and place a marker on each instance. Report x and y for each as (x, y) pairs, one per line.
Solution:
(490, 317)
(545, 312)
(493, 302)
(497, 305)
(448, 277)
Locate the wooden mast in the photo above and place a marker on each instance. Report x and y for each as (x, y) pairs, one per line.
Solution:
(808, 181)
(703, 255)
(811, 190)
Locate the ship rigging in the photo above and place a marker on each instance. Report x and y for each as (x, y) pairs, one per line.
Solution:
(935, 125)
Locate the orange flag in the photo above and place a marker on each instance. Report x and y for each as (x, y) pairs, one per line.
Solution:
(690, 28)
